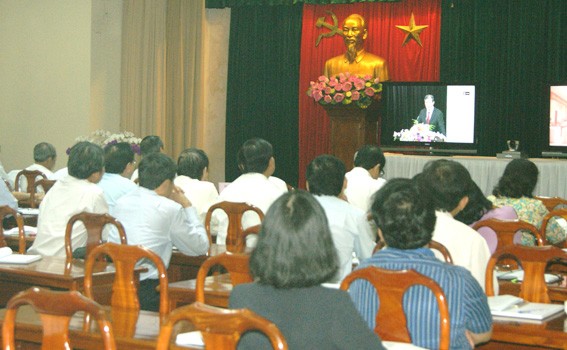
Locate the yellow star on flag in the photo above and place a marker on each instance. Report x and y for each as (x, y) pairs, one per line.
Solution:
(412, 31)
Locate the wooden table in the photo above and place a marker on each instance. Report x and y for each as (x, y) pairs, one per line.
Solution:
(217, 291)
(523, 335)
(146, 331)
(53, 273)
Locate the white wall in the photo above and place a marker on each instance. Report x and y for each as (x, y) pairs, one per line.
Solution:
(60, 69)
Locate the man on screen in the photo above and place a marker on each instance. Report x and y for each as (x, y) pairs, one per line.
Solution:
(431, 115)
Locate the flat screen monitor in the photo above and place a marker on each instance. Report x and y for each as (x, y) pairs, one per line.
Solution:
(558, 116)
(450, 125)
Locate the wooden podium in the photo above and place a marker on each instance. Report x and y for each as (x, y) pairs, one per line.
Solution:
(351, 128)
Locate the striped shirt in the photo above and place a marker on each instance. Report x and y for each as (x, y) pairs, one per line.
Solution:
(468, 306)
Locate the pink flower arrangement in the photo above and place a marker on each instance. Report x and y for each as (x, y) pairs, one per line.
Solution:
(344, 89)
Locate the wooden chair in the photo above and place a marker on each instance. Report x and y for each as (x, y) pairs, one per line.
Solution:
(235, 241)
(94, 224)
(31, 178)
(552, 203)
(43, 183)
(562, 213)
(391, 285)
(220, 328)
(534, 261)
(506, 230)
(432, 245)
(236, 265)
(125, 300)
(56, 309)
(5, 211)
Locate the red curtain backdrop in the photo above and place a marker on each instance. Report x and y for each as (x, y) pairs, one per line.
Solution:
(410, 62)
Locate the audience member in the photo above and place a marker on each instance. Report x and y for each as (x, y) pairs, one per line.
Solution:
(350, 229)
(119, 165)
(73, 194)
(6, 196)
(405, 223)
(515, 188)
(480, 208)
(158, 216)
(192, 176)
(149, 145)
(446, 185)
(294, 256)
(256, 160)
(44, 156)
(364, 179)
(3, 174)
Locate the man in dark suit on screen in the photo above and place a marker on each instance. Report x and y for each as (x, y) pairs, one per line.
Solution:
(431, 115)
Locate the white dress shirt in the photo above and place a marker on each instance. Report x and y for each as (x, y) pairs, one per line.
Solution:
(252, 188)
(6, 197)
(350, 230)
(360, 187)
(158, 223)
(115, 186)
(202, 194)
(69, 196)
(467, 247)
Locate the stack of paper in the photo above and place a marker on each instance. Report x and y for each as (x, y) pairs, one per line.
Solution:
(193, 339)
(518, 275)
(509, 306)
(28, 230)
(7, 257)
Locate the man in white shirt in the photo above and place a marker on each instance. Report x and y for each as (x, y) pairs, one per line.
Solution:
(446, 183)
(75, 193)
(349, 225)
(158, 216)
(192, 176)
(45, 156)
(256, 160)
(119, 165)
(149, 144)
(364, 179)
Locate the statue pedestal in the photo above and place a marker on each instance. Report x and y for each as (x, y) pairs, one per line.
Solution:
(351, 128)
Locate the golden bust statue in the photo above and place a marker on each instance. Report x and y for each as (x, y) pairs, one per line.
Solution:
(356, 60)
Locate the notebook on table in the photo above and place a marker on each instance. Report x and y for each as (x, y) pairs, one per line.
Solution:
(509, 306)
(8, 257)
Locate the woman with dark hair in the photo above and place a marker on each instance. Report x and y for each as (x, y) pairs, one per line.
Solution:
(515, 188)
(294, 256)
(480, 208)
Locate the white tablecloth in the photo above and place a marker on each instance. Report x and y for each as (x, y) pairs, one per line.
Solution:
(485, 171)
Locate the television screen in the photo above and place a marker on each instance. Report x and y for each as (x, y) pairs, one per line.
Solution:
(445, 119)
(558, 116)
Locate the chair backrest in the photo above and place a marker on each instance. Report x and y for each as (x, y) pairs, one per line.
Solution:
(236, 264)
(94, 223)
(442, 249)
(31, 176)
(43, 183)
(124, 288)
(235, 241)
(391, 285)
(552, 203)
(56, 309)
(556, 213)
(534, 261)
(506, 230)
(5, 211)
(432, 245)
(220, 328)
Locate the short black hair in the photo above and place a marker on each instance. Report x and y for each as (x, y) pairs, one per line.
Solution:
(192, 162)
(477, 206)
(254, 155)
(117, 156)
(368, 156)
(85, 159)
(326, 175)
(444, 182)
(43, 151)
(519, 179)
(154, 169)
(403, 215)
(151, 144)
(295, 248)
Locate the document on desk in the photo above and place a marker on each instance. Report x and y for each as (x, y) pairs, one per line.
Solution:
(193, 339)
(28, 230)
(8, 257)
(521, 309)
(518, 276)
